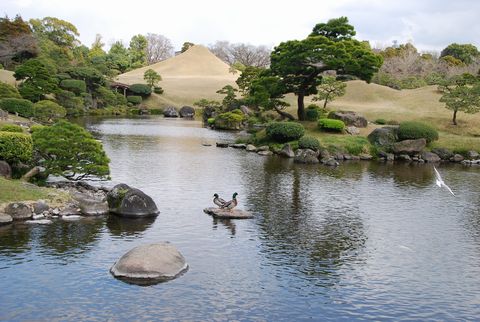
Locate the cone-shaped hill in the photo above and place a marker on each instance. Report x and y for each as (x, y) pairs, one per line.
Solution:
(187, 77)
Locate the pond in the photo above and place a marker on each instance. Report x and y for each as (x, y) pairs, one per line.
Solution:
(362, 241)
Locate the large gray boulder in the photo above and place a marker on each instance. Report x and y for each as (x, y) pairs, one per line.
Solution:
(409, 147)
(306, 156)
(90, 206)
(150, 264)
(187, 112)
(472, 155)
(170, 112)
(349, 118)
(18, 211)
(383, 137)
(5, 170)
(130, 202)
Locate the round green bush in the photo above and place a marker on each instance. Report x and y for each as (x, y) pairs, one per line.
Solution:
(15, 147)
(331, 125)
(308, 142)
(158, 90)
(285, 131)
(140, 89)
(211, 121)
(381, 121)
(11, 128)
(45, 111)
(76, 86)
(17, 105)
(413, 130)
(135, 100)
(229, 120)
(36, 127)
(312, 114)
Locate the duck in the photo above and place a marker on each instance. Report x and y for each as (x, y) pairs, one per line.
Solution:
(218, 201)
(232, 203)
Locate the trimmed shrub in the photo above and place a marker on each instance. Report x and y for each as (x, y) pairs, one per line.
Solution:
(229, 120)
(158, 90)
(135, 100)
(413, 130)
(17, 105)
(11, 128)
(7, 90)
(45, 111)
(106, 97)
(134, 111)
(76, 86)
(381, 121)
(211, 121)
(36, 127)
(312, 114)
(308, 142)
(15, 147)
(140, 89)
(285, 131)
(68, 100)
(331, 125)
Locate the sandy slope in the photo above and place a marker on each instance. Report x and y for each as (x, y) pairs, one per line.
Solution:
(192, 75)
(6, 76)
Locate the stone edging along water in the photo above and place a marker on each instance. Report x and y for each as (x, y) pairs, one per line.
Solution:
(412, 151)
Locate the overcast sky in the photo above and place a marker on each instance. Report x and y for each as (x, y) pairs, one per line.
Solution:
(428, 24)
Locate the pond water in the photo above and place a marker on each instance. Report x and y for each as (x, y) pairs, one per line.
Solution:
(363, 241)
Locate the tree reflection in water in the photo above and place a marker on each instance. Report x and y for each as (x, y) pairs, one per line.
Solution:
(300, 226)
(122, 227)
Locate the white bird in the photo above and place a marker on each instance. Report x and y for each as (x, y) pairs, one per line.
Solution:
(439, 181)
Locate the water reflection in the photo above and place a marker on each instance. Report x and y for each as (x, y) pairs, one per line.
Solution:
(122, 227)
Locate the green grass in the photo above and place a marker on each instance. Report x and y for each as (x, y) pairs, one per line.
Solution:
(17, 190)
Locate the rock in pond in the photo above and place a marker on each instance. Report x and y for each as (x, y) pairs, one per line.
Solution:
(5, 219)
(287, 151)
(187, 112)
(39, 221)
(90, 206)
(150, 264)
(170, 112)
(130, 202)
(18, 211)
(228, 214)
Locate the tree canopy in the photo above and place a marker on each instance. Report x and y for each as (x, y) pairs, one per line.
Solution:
(71, 151)
(300, 63)
(465, 53)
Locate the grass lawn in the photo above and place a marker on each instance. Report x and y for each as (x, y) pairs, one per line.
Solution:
(17, 190)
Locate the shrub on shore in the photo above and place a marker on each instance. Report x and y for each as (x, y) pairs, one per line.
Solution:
(308, 142)
(11, 128)
(15, 147)
(17, 105)
(331, 125)
(135, 100)
(413, 130)
(285, 131)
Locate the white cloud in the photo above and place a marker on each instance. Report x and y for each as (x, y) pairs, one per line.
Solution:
(430, 24)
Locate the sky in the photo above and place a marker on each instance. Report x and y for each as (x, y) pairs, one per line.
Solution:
(430, 25)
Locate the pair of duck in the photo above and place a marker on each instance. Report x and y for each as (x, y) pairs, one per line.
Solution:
(225, 204)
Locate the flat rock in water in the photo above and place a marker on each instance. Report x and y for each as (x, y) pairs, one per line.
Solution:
(150, 264)
(71, 217)
(228, 214)
(39, 221)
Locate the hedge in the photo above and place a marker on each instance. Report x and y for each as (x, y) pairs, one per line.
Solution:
(134, 99)
(17, 105)
(285, 131)
(74, 85)
(140, 89)
(158, 90)
(412, 130)
(331, 125)
(11, 128)
(15, 147)
(308, 142)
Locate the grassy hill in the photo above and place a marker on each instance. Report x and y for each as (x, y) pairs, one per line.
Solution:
(188, 77)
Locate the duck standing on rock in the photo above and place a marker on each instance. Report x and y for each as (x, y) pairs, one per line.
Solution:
(232, 203)
(218, 201)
